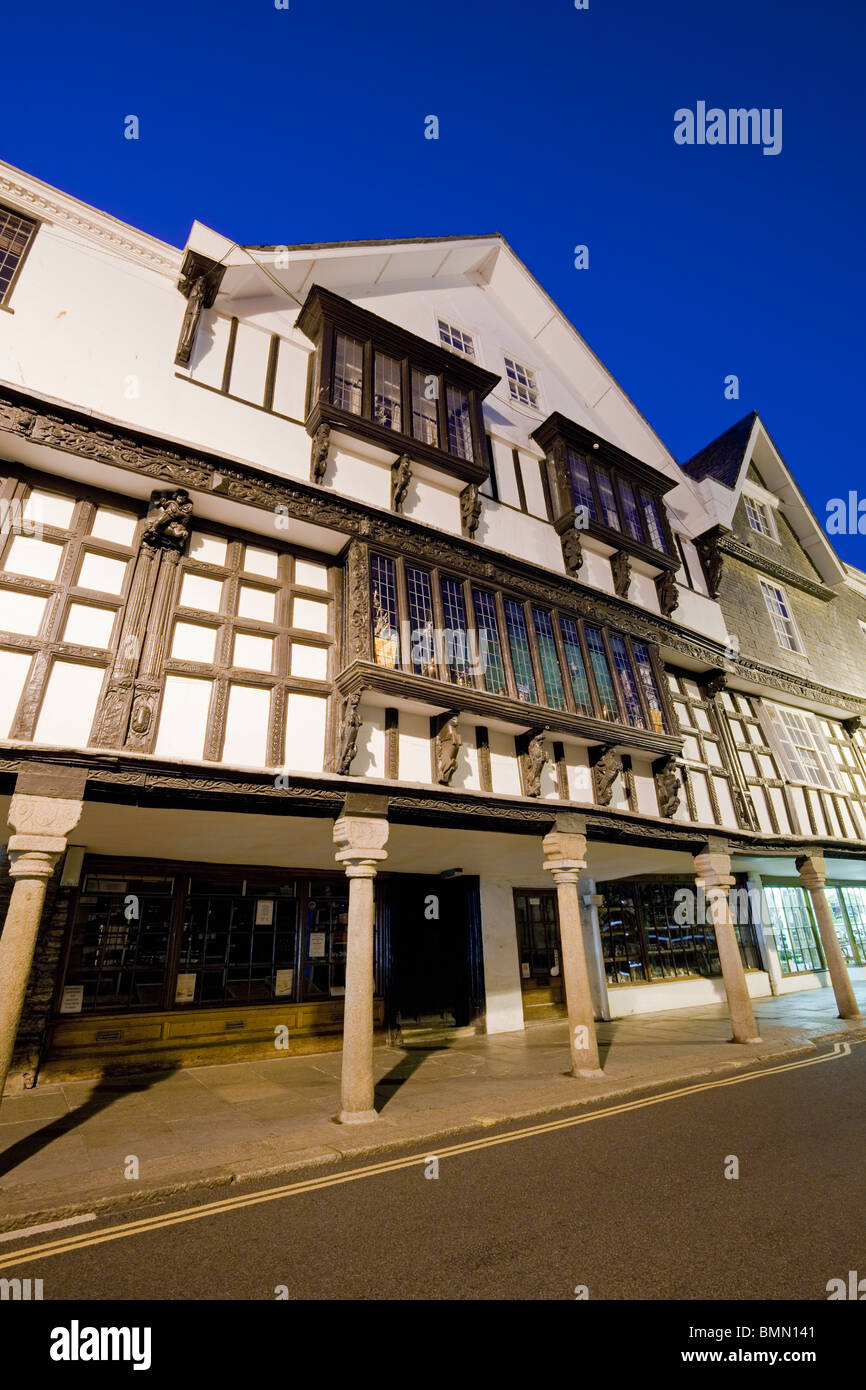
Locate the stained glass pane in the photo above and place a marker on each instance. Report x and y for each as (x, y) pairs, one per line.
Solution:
(550, 672)
(419, 592)
(348, 373)
(627, 683)
(489, 644)
(601, 670)
(576, 668)
(383, 599)
(521, 658)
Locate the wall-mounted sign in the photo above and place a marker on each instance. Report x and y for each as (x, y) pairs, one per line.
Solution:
(317, 945)
(72, 999)
(185, 991)
(284, 982)
(265, 912)
(524, 969)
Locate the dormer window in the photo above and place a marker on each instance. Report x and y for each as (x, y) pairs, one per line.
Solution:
(375, 380)
(605, 492)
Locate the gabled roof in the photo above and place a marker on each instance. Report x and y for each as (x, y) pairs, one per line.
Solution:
(723, 458)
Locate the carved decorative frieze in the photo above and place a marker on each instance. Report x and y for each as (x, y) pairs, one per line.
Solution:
(668, 593)
(470, 510)
(358, 636)
(620, 564)
(401, 477)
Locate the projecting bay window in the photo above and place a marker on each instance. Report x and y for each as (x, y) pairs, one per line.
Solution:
(434, 624)
(373, 379)
(606, 492)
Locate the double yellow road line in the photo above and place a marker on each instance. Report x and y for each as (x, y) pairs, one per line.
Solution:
(27, 1254)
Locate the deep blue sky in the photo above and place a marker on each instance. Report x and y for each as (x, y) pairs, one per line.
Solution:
(556, 128)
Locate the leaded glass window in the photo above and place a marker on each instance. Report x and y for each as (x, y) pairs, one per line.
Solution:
(627, 683)
(420, 596)
(576, 667)
(425, 412)
(459, 422)
(550, 673)
(489, 644)
(454, 612)
(609, 509)
(387, 395)
(601, 670)
(521, 658)
(348, 373)
(383, 585)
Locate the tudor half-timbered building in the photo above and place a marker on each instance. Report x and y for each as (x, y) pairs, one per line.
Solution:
(368, 665)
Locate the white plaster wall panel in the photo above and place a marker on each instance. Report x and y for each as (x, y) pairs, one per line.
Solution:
(32, 557)
(369, 760)
(21, 612)
(596, 571)
(102, 573)
(210, 550)
(579, 774)
(549, 789)
(111, 525)
(619, 799)
(261, 562)
(701, 615)
(309, 661)
(433, 506)
(253, 652)
(257, 603)
(89, 626)
(503, 460)
(311, 576)
(533, 491)
(703, 805)
(696, 569)
(357, 477)
(526, 537)
(246, 736)
(208, 357)
(643, 592)
(193, 642)
(48, 509)
(183, 717)
(647, 801)
(779, 807)
(466, 774)
(250, 363)
(504, 769)
(69, 704)
(310, 614)
(14, 670)
(413, 748)
(306, 723)
(628, 1000)
(197, 591)
(503, 1011)
(798, 798)
(290, 382)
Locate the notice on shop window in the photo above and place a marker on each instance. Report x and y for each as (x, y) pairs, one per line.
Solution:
(72, 999)
(185, 990)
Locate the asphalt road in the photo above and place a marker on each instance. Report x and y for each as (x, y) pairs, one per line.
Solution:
(629, 1200)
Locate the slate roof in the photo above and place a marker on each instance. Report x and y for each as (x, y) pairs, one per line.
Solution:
(723, 457)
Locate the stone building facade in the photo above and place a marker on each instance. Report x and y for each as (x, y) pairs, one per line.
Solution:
(369, 667)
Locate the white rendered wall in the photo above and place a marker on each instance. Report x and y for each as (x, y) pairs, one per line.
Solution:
(502, 992)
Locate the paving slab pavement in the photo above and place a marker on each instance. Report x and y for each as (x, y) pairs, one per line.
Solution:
(65, 1147)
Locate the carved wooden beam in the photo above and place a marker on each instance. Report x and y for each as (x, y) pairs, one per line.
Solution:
(199, 283)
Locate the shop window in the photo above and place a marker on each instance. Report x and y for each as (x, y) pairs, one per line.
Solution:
(797, 940)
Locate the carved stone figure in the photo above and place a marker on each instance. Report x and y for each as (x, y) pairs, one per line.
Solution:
(349, 729)
(401, 477)
(668, 592)
(536, 756)
(572, 552)
(713, 684)
(448, 745)
(470, 509)
(195, 300)
(607, 768)
(620, 564)
(319, 454)
(168, 529)
(668, 787)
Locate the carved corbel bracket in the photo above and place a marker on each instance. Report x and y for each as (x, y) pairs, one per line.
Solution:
(350, 727)
(533, 756)
(710, 555)
(668, 785)
(168, 521)
(668, 592)
(319, 454)
(712, 683)
(572, 551)
(470, 510)
(199, 283)
(620, 564)
(606, 767)
(401, 477)
(447, 742)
